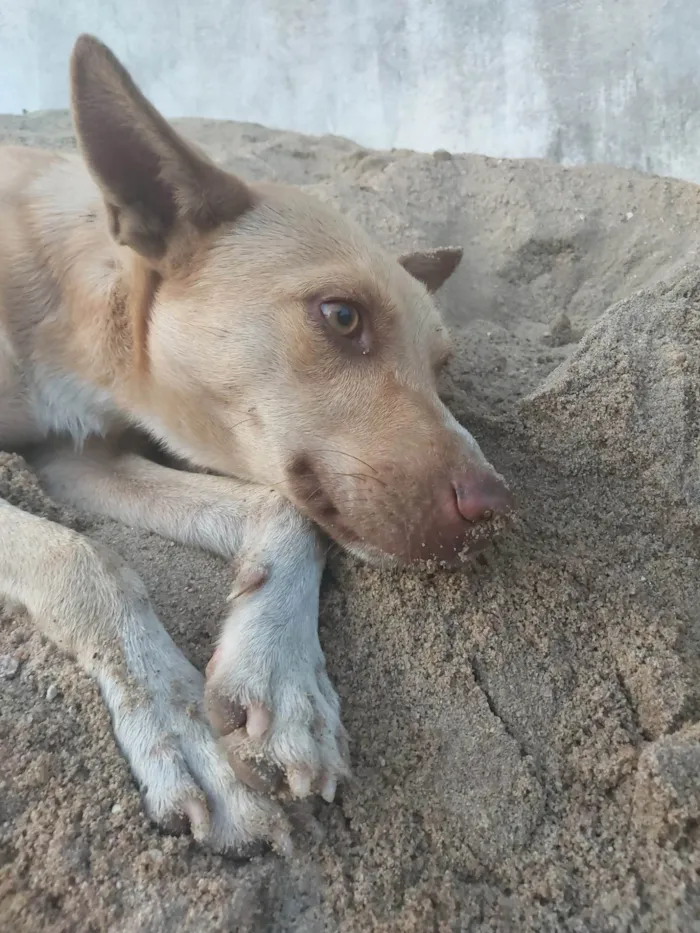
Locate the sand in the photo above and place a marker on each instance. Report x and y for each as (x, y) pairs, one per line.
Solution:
(525, 733)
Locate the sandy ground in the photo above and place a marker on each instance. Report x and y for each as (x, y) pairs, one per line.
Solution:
(526, 745)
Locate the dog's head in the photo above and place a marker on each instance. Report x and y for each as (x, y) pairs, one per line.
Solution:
(275, 341)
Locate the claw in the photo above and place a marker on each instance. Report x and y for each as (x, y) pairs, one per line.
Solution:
(328, 790)
(282, 842)
(213, 661)
(299, 782)
(198, 815)
(258, 720)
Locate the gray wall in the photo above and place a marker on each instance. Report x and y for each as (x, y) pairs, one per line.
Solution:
(572, 80)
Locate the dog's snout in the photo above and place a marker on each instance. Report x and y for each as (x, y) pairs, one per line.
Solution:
(480, 497)
(456, 514)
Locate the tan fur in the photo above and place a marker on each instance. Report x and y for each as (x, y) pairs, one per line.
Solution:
(140, 285)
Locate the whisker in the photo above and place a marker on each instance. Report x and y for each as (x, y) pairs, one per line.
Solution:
(344, 453)
(358, 476)
(238, 424)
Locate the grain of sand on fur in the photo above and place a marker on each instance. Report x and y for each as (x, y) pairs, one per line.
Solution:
(525, 732)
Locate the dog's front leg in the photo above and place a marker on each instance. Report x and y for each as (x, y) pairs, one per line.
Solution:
(268, 692)
(267, 681)
(93, 606)
(196, 509)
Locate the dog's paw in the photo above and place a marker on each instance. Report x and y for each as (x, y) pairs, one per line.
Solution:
(185, 778)
(278, 715)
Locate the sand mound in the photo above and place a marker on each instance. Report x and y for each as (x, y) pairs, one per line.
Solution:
(525, 733)
(625, 406)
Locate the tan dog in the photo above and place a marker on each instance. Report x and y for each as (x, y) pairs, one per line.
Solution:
(262, 337)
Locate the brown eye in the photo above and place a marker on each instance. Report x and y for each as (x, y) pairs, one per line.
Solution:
(343, 318)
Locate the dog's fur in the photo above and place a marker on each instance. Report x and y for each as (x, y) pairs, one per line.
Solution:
(143, 287)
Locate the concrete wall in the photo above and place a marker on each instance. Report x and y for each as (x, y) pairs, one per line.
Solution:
(573, 80)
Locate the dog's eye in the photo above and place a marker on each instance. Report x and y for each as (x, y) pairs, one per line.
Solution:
(343, 318)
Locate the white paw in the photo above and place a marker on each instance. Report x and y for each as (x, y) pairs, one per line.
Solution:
(269, 697)
(183, 773)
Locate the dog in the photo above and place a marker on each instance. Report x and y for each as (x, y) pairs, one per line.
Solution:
(264, 340)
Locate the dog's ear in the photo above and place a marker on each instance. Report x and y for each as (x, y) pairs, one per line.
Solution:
(433, 267)
(151, 179)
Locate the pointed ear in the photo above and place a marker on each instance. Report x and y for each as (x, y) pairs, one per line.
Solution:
(433, 267)
(151, 179)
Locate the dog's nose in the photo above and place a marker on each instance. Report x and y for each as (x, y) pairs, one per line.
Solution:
(481, 496)
(468, 505)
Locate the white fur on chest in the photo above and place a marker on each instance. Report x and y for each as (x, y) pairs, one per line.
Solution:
(64, 404)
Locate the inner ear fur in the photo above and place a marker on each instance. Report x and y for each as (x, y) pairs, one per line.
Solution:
(432, 267)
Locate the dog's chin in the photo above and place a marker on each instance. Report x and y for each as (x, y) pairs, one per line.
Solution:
(373, 555)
